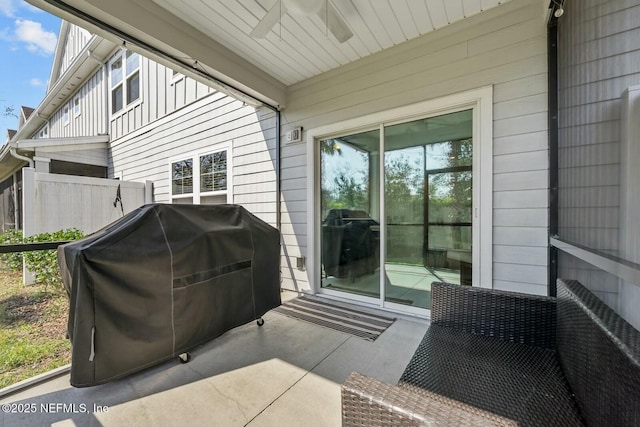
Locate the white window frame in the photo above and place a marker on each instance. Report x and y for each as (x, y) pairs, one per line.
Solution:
(76, 106)
(480, 101)
(176, 76)
(126, 75)
(197, 194)
(44, 131)
(66, 114)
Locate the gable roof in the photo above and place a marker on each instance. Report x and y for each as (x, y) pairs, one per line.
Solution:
(85, 63)
(25, 113)
(63, 36)
(72, 39)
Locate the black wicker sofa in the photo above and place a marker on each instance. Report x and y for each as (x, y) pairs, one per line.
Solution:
(502, 358)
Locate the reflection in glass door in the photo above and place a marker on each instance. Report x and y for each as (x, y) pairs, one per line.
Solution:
(448, 206)
(424, 230)
(350, 213)
(428, 202)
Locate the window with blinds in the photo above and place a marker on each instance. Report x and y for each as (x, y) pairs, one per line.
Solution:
(201, 178)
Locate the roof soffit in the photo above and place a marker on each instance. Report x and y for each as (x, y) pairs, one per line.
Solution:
(213, 37)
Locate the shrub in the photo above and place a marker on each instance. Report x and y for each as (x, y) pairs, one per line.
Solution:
(44, 264)
(13, 260)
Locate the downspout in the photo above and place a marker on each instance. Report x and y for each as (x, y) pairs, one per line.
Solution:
(29, 160)
(18, 210)
(552, 64)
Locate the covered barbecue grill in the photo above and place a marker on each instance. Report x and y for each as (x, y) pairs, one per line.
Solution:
(162, 280)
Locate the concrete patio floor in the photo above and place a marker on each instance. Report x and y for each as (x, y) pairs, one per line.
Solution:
(285, 373)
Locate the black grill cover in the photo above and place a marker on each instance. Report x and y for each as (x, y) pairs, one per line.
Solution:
(162, 280)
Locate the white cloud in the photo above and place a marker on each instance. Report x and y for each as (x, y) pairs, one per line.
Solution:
(10, 7)
(38, 40)
(7, 7)
(36, 82)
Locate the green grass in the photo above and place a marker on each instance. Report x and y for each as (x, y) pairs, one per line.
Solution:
(32, 329)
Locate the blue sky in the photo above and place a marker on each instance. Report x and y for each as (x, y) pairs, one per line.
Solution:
(27, 43)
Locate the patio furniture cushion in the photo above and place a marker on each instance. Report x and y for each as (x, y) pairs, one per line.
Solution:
(509, 316)
(517, 381)
(527, 359)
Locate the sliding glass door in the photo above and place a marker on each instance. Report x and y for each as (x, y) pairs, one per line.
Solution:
(428, 202)
(396, 209)
(350, 213)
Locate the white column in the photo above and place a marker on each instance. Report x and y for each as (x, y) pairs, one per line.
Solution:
(43, 164)
(630, 201)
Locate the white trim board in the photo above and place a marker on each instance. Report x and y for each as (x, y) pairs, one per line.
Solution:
(480, 100)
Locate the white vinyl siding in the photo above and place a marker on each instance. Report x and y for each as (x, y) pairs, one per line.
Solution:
(592, 85)
(77, 39)
(589, 118)
(92, 105)
(160, 95)
(504, 47)
(211, 124)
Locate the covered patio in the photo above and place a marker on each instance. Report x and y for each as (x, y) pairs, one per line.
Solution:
(286, 373)
(549, 183)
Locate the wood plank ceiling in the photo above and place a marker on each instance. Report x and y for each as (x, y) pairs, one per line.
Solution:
(300, 47)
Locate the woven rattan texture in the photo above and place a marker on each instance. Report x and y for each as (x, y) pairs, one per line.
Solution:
(509, 316)
(478, 351)
(368, 402)
(516, 381)
(600, 354)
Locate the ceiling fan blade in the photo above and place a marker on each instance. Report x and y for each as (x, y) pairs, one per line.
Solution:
(269, 20)
(334, 22)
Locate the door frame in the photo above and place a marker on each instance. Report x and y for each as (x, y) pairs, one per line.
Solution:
(480, 101)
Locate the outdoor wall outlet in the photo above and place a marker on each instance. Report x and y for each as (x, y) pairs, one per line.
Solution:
(300, 263)
(294, 135)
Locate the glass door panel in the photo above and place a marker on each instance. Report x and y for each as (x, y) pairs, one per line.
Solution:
(350, 213)
(448, 241)
(425, 181)
(428, 194)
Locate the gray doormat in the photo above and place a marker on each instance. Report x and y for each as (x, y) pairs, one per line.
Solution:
(353, 322)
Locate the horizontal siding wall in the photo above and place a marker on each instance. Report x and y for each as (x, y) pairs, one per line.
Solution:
(504, 47)
(214, 121)
(599, 60)
(161, 94)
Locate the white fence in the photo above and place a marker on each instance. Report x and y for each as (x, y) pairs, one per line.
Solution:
(53, 202)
